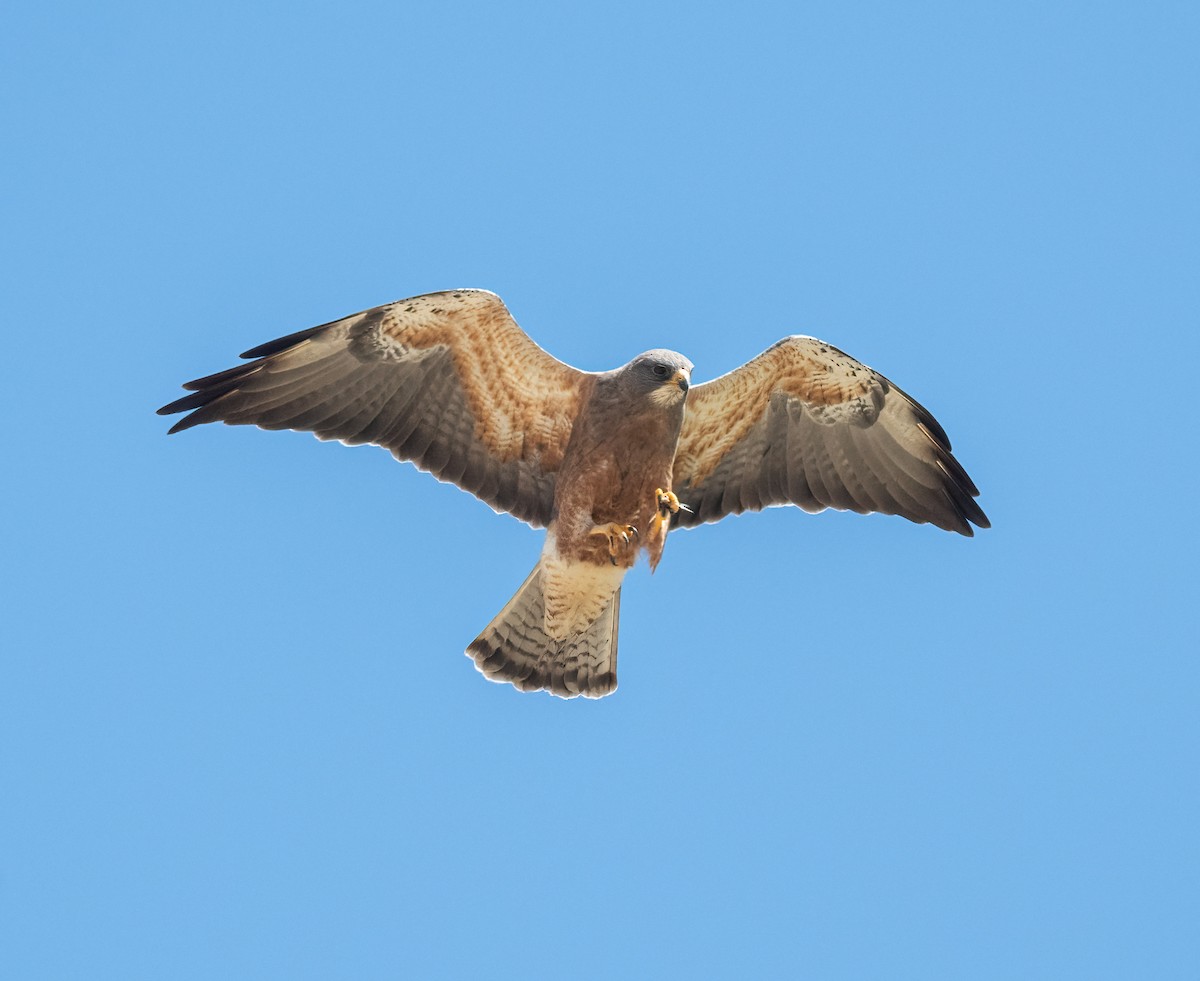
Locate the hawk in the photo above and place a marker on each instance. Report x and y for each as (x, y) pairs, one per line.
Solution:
(607, 462)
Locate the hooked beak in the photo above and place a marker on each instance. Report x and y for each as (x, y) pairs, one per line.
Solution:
(682, 380)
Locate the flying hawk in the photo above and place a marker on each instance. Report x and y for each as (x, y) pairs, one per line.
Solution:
(607, 462)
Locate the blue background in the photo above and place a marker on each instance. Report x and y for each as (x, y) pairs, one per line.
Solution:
(240, 739)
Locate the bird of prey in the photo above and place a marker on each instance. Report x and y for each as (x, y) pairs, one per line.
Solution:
(607, 462)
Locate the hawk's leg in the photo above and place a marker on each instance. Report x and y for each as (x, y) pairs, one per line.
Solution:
(620, 537)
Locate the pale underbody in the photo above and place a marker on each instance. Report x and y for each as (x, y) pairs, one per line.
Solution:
(578, 590)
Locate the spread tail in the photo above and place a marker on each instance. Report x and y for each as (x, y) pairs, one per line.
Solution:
(515, 647)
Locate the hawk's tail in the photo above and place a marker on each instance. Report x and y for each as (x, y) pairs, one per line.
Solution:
(515, 647)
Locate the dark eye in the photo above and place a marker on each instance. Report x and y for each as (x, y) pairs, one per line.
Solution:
(661, 370)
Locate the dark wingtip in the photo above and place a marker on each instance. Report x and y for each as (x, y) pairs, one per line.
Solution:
(222, 377)
(188, 402)
(204, 391)
(197, 401)
(282, 343)
(969, 513)
(187, 422)
(208, 389)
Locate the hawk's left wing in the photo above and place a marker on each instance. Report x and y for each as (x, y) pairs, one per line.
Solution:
(806, 424)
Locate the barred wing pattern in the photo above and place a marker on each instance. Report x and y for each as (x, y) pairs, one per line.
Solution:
(806, 424)
(446, 380)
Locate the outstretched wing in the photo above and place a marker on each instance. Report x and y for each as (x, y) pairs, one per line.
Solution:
(806, 424)
(446, 380)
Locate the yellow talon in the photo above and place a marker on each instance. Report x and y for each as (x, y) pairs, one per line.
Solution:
(619, 538)
(666, 502)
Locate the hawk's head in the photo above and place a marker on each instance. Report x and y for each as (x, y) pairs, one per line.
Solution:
(661, 377)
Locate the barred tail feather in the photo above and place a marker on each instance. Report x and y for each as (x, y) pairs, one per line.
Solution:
(515, 647)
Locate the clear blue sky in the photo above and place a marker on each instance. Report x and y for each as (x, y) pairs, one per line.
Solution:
(239, 737)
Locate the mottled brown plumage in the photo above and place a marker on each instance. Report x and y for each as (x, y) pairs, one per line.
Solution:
(450, 382)
(806, 424)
